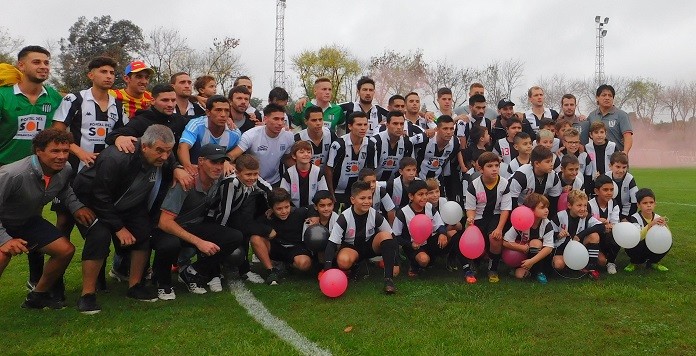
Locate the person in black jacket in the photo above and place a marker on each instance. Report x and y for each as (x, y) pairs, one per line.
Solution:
(119, 187)
(506, 111)
(162, 111)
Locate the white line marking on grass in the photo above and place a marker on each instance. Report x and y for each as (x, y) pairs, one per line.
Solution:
(273, 324)
(682, 204)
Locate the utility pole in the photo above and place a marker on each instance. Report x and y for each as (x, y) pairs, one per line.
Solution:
(279, 63)
(599, 58)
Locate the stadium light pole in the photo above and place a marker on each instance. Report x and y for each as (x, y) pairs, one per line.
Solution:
(599, 58)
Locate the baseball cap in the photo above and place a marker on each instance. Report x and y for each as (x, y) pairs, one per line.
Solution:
(505, 102)
(213, 152)
(138, 66)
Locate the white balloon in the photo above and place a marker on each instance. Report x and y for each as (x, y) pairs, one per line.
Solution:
(658, 239)
(451, 212)
(626, 234)
(575, 255)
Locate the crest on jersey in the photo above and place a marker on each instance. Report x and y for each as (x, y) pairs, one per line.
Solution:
(612, 123)
(282, 147)
(370, 231)
(46, 108)
(326, 146)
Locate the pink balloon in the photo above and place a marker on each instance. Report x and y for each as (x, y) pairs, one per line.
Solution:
(563, 201)
(333, 283)
(420, 228)
(513, 258)
(472, 244)
(522, 218)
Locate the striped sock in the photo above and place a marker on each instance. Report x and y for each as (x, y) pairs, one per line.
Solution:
(593, 251)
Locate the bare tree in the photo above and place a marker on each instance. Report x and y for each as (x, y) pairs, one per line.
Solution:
(442, 74)
(501, 78)
(165, 51)
(222, 63)
(397, 73)
(8, 45)
(555, 87)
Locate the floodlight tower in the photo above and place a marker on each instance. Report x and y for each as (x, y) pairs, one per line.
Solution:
(279, 63)
(599, 59)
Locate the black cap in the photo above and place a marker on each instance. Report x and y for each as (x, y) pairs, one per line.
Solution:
(505, 102)
(213, 152)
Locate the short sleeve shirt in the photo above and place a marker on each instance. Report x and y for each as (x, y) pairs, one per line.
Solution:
(616, 122)
(20, 120)
(268, 150)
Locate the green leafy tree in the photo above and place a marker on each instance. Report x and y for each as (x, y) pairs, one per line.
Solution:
(333, 62)
(101, 36)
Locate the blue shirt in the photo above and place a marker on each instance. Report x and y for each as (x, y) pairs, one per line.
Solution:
(197, 134)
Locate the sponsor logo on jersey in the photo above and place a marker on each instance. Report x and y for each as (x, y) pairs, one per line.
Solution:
(97, 131)
(350, 232)
(262, 148)
(29, 125)
(370, 231)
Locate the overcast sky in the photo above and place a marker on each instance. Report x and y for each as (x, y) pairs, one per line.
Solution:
(645, 38)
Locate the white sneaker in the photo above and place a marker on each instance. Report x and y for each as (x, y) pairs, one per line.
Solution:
(611, 268)
(215, 285)
(255, 259)
(166, 293)
(254, 278)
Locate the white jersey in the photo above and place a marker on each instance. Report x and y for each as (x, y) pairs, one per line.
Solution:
(609, 149)
(268, 150)
(320, 152)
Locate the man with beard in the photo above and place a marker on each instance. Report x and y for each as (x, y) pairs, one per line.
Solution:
(375, 113)
(26, 107)
(181, 82)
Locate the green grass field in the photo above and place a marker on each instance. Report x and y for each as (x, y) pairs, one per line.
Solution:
(645, 312)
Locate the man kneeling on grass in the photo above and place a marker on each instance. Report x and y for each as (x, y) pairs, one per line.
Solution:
(183, 217)
(25, 187)
(361, 233)
(283, 239)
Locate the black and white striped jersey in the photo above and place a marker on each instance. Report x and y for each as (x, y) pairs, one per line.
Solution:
(301, 189)
(381, 201)
(626, 195)
(544, 232)
(600, 156)
(432, 160)
(234, 195)
(404, 216)
(505, 150)
(346, 163)
(523, 182)
(388, 157)
(351, 228)
(87, 123)
(396, 190)
(487, 202)
(611, 213)
(573, 225)
(320, 152)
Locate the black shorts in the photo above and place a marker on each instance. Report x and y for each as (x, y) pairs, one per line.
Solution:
(364, 249)
(37, 232)
(285, 254)
(98, 237)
